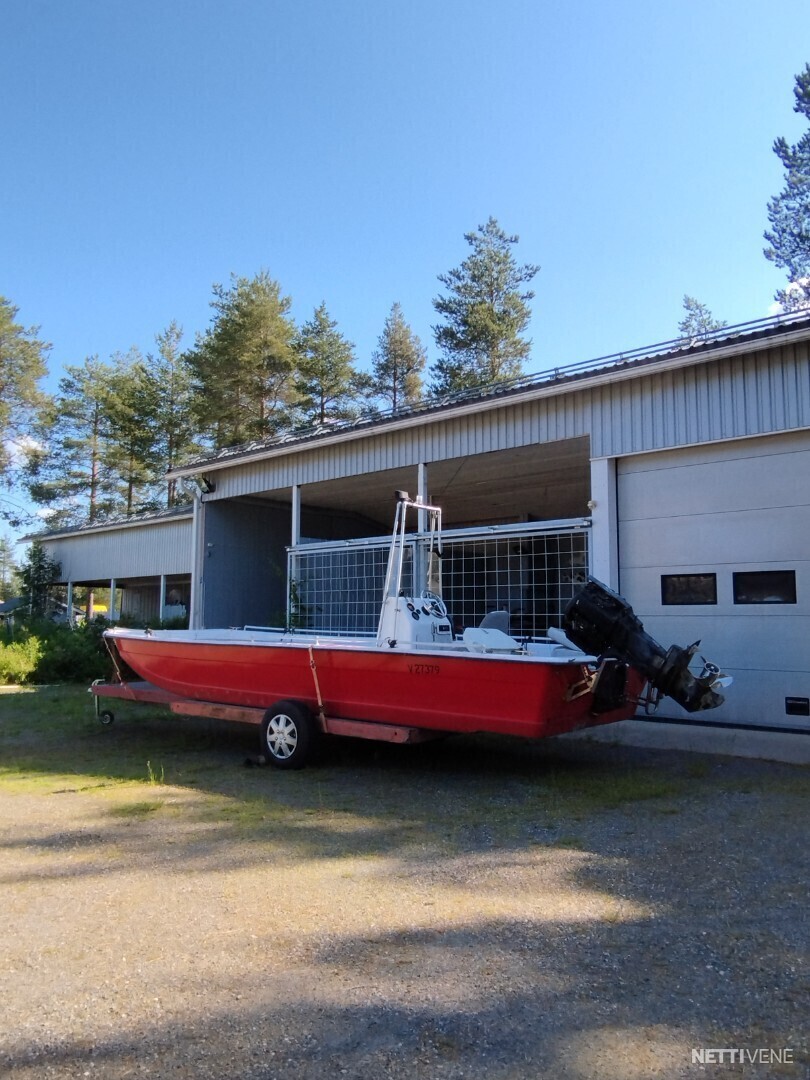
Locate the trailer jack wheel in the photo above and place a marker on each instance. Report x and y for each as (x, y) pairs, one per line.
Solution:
(106, 717)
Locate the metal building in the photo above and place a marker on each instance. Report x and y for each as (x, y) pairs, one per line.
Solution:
(145, 562)
(679, 475)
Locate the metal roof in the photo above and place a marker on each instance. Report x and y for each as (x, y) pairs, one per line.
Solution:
(675, 352)
(119, 522)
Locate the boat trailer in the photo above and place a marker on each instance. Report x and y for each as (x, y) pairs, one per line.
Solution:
(145, 693)
(597, 620)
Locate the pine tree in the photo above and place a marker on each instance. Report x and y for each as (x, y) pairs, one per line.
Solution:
(242, 366)
(9, 571)
(789, 211)
(485, 312)
(171, 380)
(71, 472)
(398, 363)
(37, 574)
(22, 403)
(132, 456)
(328, 385)
(698, 322)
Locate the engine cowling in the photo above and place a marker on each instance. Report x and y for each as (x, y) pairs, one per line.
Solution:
(601, 622)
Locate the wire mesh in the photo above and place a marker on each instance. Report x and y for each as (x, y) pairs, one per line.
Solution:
(338, 589)
(531, 576)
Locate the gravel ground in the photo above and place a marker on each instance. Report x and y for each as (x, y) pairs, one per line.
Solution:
(478, 908)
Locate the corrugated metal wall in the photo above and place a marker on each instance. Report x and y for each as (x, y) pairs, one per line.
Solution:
(760, 392)
(144, 551)
(518, 425)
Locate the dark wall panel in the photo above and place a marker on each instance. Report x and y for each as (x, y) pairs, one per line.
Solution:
(244, 564)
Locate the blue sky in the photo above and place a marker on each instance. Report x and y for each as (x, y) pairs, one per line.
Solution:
(153, 148)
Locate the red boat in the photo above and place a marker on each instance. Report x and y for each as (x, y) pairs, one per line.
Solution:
(416, 676)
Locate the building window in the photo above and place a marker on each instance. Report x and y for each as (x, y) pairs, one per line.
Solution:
(688, 589)
(765, 587)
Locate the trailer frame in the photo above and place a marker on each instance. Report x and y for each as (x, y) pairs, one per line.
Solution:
(146, 693)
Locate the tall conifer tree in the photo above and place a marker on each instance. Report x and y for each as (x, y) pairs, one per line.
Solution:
(175, 435)
(22, 403)
(72, 472)
(789, 211)
(485, 311)
(242, 366)
(398, 363)
(328, 385)
(697, 322)
(132, 455)
(9, 571)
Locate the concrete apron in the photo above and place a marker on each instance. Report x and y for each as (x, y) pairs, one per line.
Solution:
(732, 741)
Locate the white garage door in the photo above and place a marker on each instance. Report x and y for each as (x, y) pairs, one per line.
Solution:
(714, 543)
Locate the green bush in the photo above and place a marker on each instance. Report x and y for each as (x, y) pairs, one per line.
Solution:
(58, 653)
(18, 659)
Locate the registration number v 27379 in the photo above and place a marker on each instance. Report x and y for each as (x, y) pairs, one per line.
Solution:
(423, 669)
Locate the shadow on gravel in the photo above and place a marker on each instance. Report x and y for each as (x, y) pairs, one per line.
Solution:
(526, 1001)
(684, 878)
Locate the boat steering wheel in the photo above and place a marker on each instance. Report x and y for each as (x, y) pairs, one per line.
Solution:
(435, 604)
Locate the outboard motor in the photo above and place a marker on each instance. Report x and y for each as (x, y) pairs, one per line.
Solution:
(601, 622)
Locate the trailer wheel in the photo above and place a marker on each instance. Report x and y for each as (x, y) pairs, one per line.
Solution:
(106, 717)
(288, 735)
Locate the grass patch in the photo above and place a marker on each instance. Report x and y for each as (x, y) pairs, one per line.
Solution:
(136, 809)
(479, 794)
(797, 783)
(53, 731)
(575, 794)
(155, 775)
(574, 843)
(248, 814)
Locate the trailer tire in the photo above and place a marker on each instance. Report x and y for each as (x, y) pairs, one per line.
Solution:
(288, 735)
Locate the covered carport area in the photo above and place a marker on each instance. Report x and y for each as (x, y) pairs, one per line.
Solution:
(144, 562)
(537, 482)
(268, 553)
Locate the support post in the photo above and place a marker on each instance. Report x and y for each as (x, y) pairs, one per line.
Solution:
(295, 523)
(111, 609)
(70, 603)
(422, 494)
(604, 545)
(295, 540)
(196, 598)
(420, 569)
(162, 599)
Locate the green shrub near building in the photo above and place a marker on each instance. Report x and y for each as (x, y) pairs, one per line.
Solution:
(18, 660)
(41, 651)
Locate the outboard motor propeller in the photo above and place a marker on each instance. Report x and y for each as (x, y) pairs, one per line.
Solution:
(601, 622)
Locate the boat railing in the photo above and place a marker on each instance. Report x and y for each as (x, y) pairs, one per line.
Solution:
(313, 631)
(309, 631)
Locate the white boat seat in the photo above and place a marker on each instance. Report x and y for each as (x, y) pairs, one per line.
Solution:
(558, 637)
(496, 620)
(488, 639)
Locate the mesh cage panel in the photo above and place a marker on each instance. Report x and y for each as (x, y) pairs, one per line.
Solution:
(531, 576)
(338, 589)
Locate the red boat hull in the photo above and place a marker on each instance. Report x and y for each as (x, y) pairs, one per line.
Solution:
(454, 692)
